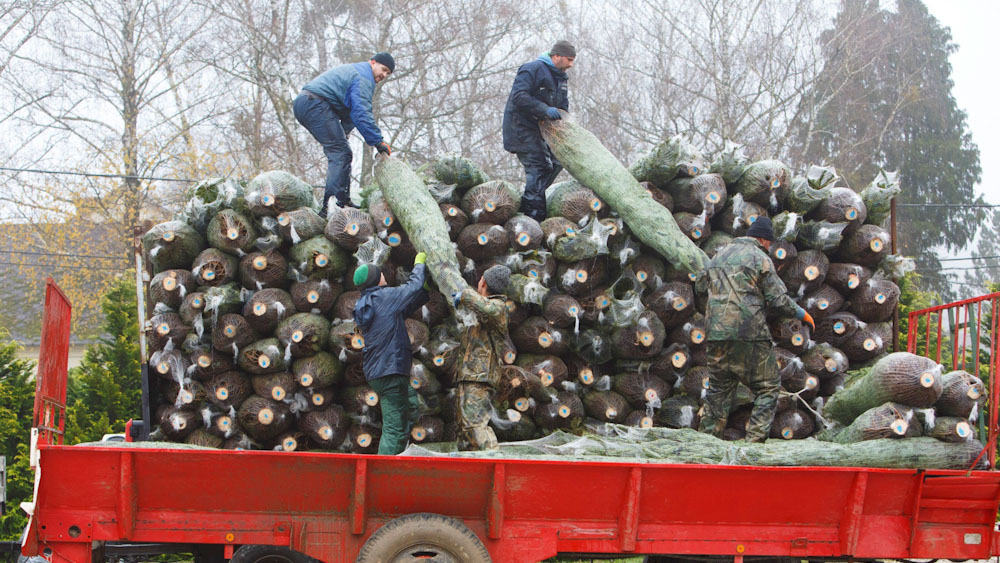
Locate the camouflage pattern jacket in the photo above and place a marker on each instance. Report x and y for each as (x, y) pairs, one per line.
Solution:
(742, 286)
(486, 346)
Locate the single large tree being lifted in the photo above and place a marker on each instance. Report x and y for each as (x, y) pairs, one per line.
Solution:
(593, 165)
(421, 217)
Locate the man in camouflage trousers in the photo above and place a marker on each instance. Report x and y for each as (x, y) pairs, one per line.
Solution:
(742, 286)
(485, 348)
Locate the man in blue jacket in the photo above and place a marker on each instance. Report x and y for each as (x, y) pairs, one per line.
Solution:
(539, 92)
(331, 105)
(380, 314)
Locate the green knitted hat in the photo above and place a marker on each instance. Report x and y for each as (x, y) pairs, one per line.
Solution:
(367, 275)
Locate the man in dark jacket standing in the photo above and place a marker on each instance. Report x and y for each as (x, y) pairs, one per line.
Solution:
(539, 92)
(742, 286)
(380, 314)
(331, 105)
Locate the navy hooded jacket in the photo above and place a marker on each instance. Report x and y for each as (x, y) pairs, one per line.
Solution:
(380, 314)
(538, 86)
(349, 89)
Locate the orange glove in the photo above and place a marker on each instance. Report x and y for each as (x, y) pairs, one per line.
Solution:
(384, 148)
(809, 320)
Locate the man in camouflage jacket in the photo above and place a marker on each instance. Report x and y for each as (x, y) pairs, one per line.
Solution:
(742, 286)
(485, 348)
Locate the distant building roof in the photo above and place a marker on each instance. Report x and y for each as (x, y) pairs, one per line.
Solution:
(76, 256)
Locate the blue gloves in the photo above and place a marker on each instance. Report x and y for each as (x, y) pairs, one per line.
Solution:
(553, 114)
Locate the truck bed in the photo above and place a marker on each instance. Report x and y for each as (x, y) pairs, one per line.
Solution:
(326, 505)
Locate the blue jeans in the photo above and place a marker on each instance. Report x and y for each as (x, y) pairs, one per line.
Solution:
(540, 169)
(316, 115)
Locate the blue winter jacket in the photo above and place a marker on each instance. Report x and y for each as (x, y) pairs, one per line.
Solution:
(538, 86)
(380, 314)
(349, 89)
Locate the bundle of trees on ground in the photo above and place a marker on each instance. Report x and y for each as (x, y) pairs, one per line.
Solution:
(256, 348)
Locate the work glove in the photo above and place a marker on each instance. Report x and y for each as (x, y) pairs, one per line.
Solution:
(553, 114)
(383, 148)
(421, 258)
(456, 299)
(809, 320)
(802, 315)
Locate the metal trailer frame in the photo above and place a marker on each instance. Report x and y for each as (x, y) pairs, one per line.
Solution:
(326, 505)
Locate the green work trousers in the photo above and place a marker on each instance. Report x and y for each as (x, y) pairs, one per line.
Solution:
(751, 363)
(399, 411)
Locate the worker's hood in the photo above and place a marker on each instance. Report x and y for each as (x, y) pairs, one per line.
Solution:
(364, 309)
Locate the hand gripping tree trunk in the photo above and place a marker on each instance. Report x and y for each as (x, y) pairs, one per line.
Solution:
(591, 164)
(421, 217)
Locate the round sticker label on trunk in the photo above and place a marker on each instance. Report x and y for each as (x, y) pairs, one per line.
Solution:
(678, 359)
(265, 416)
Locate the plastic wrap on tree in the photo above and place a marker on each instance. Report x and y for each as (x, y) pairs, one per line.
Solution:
(878, 196)
(961, 394)
(587, 160)
(272, 193)
(491, 202)
(899, 377)
(460, 171)
(766, 182)
(172, 245)
(300, 224)
(875, 300)
(730, 163)
(573, 201)
(169, 287)
(671, 158)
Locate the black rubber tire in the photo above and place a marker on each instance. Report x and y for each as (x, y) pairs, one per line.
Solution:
(269, 554)
(424, 537)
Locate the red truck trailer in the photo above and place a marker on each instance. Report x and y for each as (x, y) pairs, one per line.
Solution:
(270, 506)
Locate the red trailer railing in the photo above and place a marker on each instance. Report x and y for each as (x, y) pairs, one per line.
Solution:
(972, 326)
(50, 384)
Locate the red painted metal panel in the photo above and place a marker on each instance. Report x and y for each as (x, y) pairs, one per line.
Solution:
(307, 501)
(53, 357)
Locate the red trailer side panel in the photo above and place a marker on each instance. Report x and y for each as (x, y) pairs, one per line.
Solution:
(327, 505)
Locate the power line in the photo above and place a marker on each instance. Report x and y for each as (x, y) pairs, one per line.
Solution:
(96, 175)
(63, 267)
(958, 259)
(973, 205)
(958, 269)
(31, 253)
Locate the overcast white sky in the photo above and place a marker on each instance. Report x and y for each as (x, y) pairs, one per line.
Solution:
(973, 28)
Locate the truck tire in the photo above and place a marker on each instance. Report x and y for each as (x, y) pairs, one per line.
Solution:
(424, 537)
(269, 554)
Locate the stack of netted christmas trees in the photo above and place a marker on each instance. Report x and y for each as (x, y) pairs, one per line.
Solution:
(255, 347)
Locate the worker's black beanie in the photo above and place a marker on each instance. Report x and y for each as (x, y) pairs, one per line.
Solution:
(563, 48)
(386, 59)
(762, 228)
